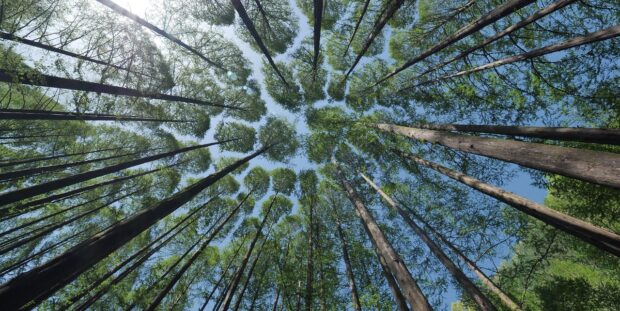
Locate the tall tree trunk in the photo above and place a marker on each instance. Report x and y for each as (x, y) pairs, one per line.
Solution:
(44, 169)
(507, 301)
(598, 167)
(194, 257)
(466, 284)
(237, 277)
(398, 295)
(599, 237)
(32, 114)
(347, 262)
(318, 19)
(261, 9)
(405, 280)
(491, 17)
(32, 191)
(27, 289)
(249, 276)
(38, 79)
(385, 16)
(219, 281)
(510, 29)
(310, 258)
(12, 37)
(601, 35)
(587, 135)
(250, 26)
(357, 26)
(158, 31)
(39, 159)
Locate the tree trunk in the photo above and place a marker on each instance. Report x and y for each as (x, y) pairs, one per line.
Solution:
(507, 301)
(310, 255)
(29, 288)
(249, 276)
(32, 191)
(405, 280)
(491, 17)
(237, 277)
(587, 135)
(347, 262)
(31, 114)
(598, 167)
(38, 79)
(599, 237)
(263, 14)
(250, 26)
(398, 295)
(530, 19)
(194, 257)
(385, 16)
(601, 35)
(118, 9)
(318, 18)
(357, 26)
(219, 281)
(13, 163)
(11, 37)
(466, 284)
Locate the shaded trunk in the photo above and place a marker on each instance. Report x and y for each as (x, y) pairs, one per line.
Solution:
(318, 18)
(599, 237)
(28, 114)
(466, 284)
(405, 280)
(598, 167)
(249, 276)
(194, 257)
(310, 255)
(13, 163)
(44, 80)
(347, 262)
(491, 17)
(357, 26)
(32, 191)
(120, 10)
(507, 301)
(219, 281)
(12, 37)
(601, 35)
(510, 29)
(385, 16)
(29, 288)
(587, 135)
(237, 277)
(250, 26)
(398, 295)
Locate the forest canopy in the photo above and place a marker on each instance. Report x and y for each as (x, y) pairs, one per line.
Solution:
(309, 155)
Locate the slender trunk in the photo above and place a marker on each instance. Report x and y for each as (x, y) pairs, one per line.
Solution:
(598, 167)
(310, 255)
(250, 26)
(219, 281)
(28, 114)
(510, 29)
(587, 135)
(491, 17)
(44, 169)
(249, 276)
(357, 26)
(38, 79)
(275, 301)
(32, 191)
(144, 250)
(194, 257)
(347, 262)
(263, 14)
(237, 277)
(29, 288)
(507, 301)
(601, 35)
(318, 18)
(466, 284)
(5, 164)
(599, 237)
(385, 16)
(120, 10)
(398, 295)
(405, 280)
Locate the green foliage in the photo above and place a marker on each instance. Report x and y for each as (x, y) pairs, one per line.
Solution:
(243, 136)
(282, 135)
(284, 180)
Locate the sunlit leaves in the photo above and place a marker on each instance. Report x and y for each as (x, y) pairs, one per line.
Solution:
(243, 137)
(284, 180)
(282, 135)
